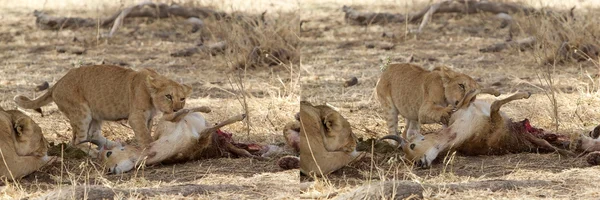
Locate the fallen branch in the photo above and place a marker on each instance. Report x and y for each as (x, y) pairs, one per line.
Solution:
(456, 6)
(213, 49)
(579, 53)
(145, 9)
(522, 44)
(102, 192)
(404, 189)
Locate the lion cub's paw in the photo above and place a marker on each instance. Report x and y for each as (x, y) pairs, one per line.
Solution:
(445, 115)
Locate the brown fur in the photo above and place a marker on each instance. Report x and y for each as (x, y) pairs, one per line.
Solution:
(91, 94)
(326, 140)
(420, 96)
(23, 146)
(474, 132)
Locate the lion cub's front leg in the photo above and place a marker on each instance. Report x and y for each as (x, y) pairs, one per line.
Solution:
(140, 122)
(433, 113)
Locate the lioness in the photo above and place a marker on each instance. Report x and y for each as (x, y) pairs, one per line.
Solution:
(23, 148)
(90, 94)
(420, 96)
(326, 140)
(181, 136)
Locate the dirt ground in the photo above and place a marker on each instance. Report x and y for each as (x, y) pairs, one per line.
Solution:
(335, 51)
(29, 57)
(330, 51)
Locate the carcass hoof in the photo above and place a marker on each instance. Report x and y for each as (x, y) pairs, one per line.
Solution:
(289, 162)
(594, 158)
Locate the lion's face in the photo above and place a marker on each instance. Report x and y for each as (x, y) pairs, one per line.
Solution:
(336, 131)
(167, 95)
(29, 140)
(456, 85)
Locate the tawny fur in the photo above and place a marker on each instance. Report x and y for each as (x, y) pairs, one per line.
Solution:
(23, 146)
(179, 137)
(89, 95)
(326, 140)
(420, 96)
(476, 128)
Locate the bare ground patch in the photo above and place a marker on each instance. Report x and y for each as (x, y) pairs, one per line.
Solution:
(31, 56)
(336, 51)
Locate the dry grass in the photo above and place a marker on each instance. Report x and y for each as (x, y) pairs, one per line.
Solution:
(564, 96)
(269, 94)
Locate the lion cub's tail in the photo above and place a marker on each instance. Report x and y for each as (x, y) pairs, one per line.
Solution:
(35, 104)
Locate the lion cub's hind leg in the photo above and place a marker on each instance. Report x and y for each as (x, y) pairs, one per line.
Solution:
(413, 129)
(84, 127)
(95, 134)
(392, 117)
(80, 119)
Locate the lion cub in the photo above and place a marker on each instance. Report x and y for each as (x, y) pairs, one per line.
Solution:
(420, 96)
(89, 95)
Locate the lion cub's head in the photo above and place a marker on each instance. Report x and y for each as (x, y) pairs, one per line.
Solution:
(28, 137)
(456, 85)
(336, 131)
(168, 96)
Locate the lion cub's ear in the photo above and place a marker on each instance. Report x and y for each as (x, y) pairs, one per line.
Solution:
(187, 89)
(446, 74)
(331, 122)
(153, 83)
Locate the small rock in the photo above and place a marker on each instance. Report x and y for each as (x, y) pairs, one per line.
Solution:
(42, 86)
(593, 158)
(596, 132)
(386, 46)
(67, 49)
(350, 82)
(388, 34)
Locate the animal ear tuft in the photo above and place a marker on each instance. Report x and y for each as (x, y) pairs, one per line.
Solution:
(446, 74)
(331, 122)
(152, 83)
(187, 89)
(19, 130)
(19, 126)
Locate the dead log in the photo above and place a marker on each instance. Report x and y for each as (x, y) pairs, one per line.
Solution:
(405, 189)
(267, 57)
(102, 192)
(77, 50)
(47, 22)
(449, 6)
(522, 44)
(574, 52)
(212, 49)
(146, 9)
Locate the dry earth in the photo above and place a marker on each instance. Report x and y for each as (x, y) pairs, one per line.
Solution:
(331, 51)
(29, 57)
(335, 51)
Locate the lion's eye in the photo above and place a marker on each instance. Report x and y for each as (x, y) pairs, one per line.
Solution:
(462, 86)
(412, 146)
(108, 154)
(169, 97)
